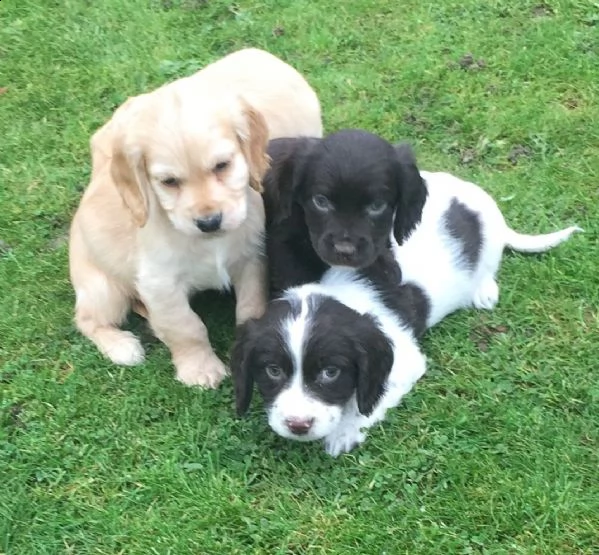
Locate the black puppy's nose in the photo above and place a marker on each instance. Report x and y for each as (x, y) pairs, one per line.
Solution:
(210, 223)
(299, 426)
(345, 248)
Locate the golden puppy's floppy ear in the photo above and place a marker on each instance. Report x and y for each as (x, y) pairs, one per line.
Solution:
(253, 136)
(128, 170)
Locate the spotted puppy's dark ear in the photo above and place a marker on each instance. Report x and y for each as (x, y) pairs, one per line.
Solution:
(375, 360)
(243, 378)
(411, 190)
(289, 159)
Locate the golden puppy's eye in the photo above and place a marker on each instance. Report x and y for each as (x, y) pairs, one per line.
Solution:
(221, 166)
(170, 182)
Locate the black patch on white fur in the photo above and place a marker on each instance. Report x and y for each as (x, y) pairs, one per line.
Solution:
(260, 343)
(341, 337)
(407, 300)
(464, 225)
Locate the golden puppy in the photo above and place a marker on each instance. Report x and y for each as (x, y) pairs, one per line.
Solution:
(174, 207)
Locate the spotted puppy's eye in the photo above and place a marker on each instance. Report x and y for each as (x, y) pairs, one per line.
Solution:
(322, 203)
(275, 372)
(171, 182)
(329, 374)
(377, 207)
(221, 166)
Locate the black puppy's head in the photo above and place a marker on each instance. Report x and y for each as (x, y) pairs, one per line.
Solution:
(354, 188)
(309, 356)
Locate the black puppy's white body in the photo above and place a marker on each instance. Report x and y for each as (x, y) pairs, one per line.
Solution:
(345, 349)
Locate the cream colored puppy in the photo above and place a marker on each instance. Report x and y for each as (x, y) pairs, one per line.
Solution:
(174, 206)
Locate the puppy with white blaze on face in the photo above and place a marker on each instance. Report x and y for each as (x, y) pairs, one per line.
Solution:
(330, 358)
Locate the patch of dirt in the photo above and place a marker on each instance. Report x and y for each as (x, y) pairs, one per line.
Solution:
(576, 211)
(3, 90)
(413, 120)
(541, 10)
(467, 156)
(571, 103)
(482, 334)
(468, 62)
(278, 31)
(517, 152)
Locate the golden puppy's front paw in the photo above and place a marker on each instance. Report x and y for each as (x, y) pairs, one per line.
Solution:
(124, 349)
(205, 370)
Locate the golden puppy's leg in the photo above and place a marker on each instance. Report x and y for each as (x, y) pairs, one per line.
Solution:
(250, 284)
(182, 331)
(100, 307)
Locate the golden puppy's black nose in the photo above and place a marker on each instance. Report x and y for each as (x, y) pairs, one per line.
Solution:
(210, 223)
(299, 426)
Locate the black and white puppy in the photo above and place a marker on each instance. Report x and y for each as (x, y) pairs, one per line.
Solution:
(330, 358)
(335, 202)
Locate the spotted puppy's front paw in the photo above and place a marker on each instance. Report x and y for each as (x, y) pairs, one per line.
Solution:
(487, 294)
(343, 440)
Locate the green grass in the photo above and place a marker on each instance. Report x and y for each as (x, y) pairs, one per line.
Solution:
(496, 450)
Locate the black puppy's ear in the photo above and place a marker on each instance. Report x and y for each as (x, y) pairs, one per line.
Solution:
(243, 378)
(289, 160)
(412, 193)
(375, 360)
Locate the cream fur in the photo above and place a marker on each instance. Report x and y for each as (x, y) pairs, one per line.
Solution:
(134, 242)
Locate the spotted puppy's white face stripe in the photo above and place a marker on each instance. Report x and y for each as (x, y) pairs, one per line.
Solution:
(295, 406)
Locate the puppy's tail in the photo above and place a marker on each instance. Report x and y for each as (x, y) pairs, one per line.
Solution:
(537, 243)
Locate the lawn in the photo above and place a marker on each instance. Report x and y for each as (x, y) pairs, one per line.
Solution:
(496, 450)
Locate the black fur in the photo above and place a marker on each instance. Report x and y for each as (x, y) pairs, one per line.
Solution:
(365, 188)
(464, 225)
(259, 343)
(413, 194)
(339, 338)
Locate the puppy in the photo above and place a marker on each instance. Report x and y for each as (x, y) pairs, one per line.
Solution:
(334, 202)
(330, 358)
(173, 206)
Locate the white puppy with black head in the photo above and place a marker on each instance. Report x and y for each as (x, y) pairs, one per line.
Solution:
(330, 358)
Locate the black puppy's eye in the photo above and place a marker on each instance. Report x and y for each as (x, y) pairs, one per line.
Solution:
(171, 182)
(322, 203)
(274, 372)
(377, 207)
(221, 166)
(329, 374)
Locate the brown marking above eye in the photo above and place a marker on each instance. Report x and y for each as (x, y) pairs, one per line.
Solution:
(221, 166)
(171, 182)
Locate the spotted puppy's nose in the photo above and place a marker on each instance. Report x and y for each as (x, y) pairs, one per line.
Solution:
(345, 248)
(299, 426)
(209, 223)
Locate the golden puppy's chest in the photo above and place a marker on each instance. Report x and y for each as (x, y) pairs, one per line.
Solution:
(204, 265)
